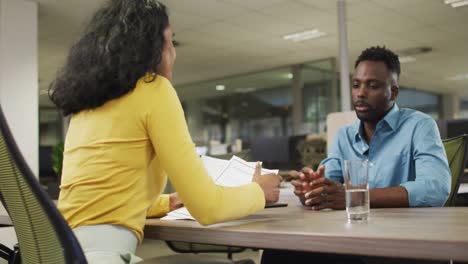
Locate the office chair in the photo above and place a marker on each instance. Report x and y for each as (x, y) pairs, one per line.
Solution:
(457, 154)
(43, 234)
(312, 151)
(337, 120)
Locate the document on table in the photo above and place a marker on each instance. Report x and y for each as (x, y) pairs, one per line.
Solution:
(230, 173)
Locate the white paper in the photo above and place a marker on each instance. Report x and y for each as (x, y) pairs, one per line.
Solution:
(214, 166)
(239, 172)
(179, 214)
(230, 173)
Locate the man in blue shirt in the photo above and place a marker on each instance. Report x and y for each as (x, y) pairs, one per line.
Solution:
(407, 162)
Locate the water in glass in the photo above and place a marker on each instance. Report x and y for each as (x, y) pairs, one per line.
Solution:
(357, 204)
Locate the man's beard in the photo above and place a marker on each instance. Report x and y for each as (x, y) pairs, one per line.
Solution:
(371, 115)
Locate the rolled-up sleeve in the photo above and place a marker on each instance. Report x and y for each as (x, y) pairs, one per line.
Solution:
(334, 159)
(431, 186)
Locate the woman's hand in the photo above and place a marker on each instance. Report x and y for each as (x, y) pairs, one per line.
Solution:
(174, 202)
(269, 183)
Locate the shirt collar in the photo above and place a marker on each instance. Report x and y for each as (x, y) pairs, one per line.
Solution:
(391, 118)
(359, 132)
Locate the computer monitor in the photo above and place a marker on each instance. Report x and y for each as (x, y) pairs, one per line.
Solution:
(270, 149)
(457, 127)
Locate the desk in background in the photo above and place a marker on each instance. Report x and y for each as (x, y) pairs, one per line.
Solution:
(464, 178)
(463, 188)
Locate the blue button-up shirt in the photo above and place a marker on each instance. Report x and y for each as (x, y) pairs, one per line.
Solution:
(406, 150)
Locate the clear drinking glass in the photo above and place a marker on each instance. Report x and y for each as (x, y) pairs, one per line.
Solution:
(357, 189)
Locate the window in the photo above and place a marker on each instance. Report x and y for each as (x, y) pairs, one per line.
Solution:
(245, 107)
(464, 107)
(318, 94)
(50, 127)
(425, 102)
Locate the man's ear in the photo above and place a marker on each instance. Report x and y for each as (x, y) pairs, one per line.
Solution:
(394, 92)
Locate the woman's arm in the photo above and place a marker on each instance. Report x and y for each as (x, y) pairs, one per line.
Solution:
(171, 140)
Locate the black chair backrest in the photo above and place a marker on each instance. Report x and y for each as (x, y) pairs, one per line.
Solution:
(43, 234)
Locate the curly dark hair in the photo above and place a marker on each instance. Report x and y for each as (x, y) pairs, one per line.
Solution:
(122, 42)
(381, 54)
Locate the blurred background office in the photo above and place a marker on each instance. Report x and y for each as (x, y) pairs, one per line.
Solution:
(260, 74)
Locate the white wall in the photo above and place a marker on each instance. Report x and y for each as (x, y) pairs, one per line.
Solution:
(19, 74)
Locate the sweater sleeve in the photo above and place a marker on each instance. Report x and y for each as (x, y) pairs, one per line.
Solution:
(160, 207)
(168, 132)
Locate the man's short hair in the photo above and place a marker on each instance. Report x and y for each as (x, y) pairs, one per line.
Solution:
(381, 54)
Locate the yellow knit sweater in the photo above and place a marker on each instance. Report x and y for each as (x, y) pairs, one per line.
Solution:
(117, 156)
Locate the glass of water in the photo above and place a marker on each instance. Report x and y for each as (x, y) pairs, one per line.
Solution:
(357, 189)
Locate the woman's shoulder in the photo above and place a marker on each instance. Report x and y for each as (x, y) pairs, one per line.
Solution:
(153, 89)
(152, 84)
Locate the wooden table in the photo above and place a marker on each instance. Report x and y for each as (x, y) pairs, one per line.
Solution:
(425, 233)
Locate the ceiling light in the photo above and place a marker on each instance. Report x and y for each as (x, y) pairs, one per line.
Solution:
(406, 59)
(289, 76)
(460, 3)
(456, 3)
(415, 51)
(305, 35)
(246, 90)
(220, 87)
(459, 77)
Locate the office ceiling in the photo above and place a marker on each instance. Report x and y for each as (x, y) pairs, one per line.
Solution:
(228, 37)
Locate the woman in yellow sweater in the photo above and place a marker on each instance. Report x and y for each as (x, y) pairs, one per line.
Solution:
(127, 132)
